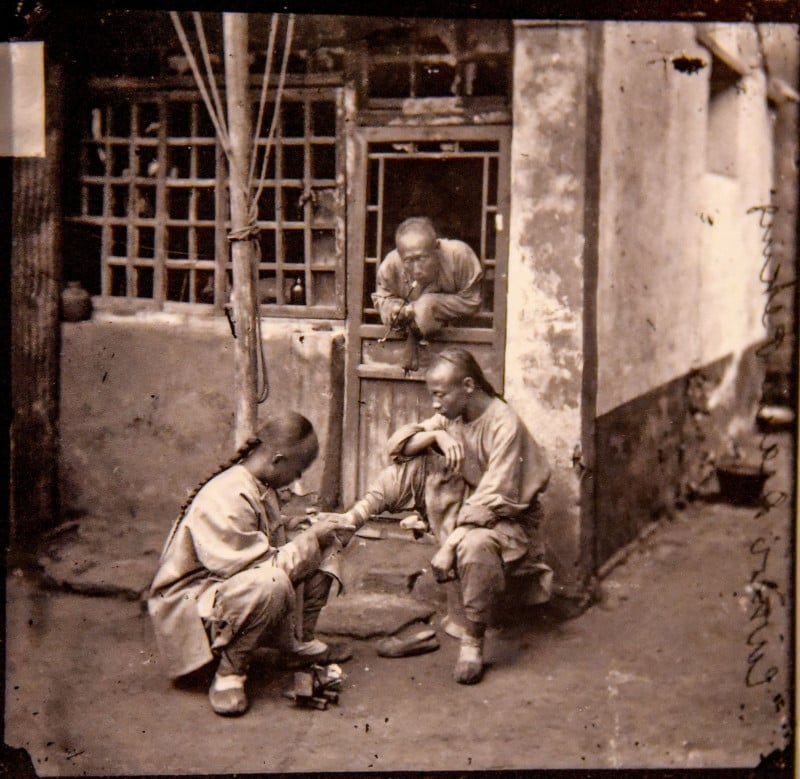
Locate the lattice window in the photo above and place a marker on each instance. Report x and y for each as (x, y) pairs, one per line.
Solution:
(154, 204)
(420, 59)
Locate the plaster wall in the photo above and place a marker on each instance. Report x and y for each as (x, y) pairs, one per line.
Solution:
(544, 351)
(679, 255)
(679, 299)
(147, 408)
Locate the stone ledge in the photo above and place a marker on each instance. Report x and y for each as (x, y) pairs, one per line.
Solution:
(127, 578)
(370, 615)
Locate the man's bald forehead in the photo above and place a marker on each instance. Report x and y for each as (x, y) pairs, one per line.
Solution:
(445, 371)
(419, 227)
(417, 236)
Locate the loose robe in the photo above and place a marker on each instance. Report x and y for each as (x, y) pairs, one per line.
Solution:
(455, 293)
(504, 470)
(233, 524)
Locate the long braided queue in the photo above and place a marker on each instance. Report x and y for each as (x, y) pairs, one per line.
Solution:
(241, 453)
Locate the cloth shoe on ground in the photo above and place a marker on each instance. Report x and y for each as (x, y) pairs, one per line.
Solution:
(227, 696)
(315, 652)
(417, 643)
(469, 666)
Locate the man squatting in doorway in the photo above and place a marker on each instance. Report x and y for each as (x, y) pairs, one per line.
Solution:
(425, 283)
(475, 473)
(225, 584)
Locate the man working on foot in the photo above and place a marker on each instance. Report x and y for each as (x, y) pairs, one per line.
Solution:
(226, 582)
(426, 281)
(475, 473)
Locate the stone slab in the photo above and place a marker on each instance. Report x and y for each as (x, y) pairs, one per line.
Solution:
(427, 589)
(396, 576)
(127, 578)
(369, 615)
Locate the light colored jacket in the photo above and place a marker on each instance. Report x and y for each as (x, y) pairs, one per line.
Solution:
(504, 469)
(456, 292)
(233, 524)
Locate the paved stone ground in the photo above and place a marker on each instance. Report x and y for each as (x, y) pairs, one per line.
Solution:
(654, 675)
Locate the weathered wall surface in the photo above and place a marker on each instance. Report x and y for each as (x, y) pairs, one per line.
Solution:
(544, 352)
(679, 299)
(35, 277)
(657, 449)
(678, 282)
(147, 409)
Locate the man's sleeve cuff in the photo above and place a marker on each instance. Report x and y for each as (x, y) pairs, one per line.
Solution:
(359, 514)
(476, 515)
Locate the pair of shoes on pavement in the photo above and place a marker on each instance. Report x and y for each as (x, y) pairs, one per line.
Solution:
(469, 665)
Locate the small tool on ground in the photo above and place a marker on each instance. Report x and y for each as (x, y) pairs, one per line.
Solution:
(317, 687)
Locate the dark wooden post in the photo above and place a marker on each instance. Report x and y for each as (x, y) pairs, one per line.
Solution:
(243, 295)
(35, 330)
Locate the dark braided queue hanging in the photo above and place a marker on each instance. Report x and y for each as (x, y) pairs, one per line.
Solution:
(241, 454)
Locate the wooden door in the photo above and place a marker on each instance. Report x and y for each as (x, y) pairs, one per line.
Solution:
(458, 176)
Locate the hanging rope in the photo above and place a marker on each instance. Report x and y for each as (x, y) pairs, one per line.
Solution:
(275, 114)
(213, 103)
(222, 131)
(262, 101)
(263, 393)
(250, 232)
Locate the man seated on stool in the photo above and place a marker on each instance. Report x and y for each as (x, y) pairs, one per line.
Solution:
(475, 473)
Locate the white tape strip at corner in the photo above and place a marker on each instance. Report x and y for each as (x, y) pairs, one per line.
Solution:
(22, 128)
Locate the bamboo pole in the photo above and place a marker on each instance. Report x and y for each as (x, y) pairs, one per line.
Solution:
(243, 295)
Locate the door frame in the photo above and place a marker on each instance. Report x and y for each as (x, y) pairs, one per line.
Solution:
(358, 144)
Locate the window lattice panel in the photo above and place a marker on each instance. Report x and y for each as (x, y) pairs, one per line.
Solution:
(154, 200)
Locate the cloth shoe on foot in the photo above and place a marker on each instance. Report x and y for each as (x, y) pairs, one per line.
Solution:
(312, 648)
(469, 666)
(452, 628)
(227, 696)
(316, 652)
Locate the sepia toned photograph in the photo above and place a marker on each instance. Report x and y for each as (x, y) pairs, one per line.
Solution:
(399, 393)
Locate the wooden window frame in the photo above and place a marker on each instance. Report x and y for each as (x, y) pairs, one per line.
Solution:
(108, 185)
(357, 250)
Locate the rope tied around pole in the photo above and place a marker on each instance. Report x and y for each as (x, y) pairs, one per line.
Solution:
(249, 232)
